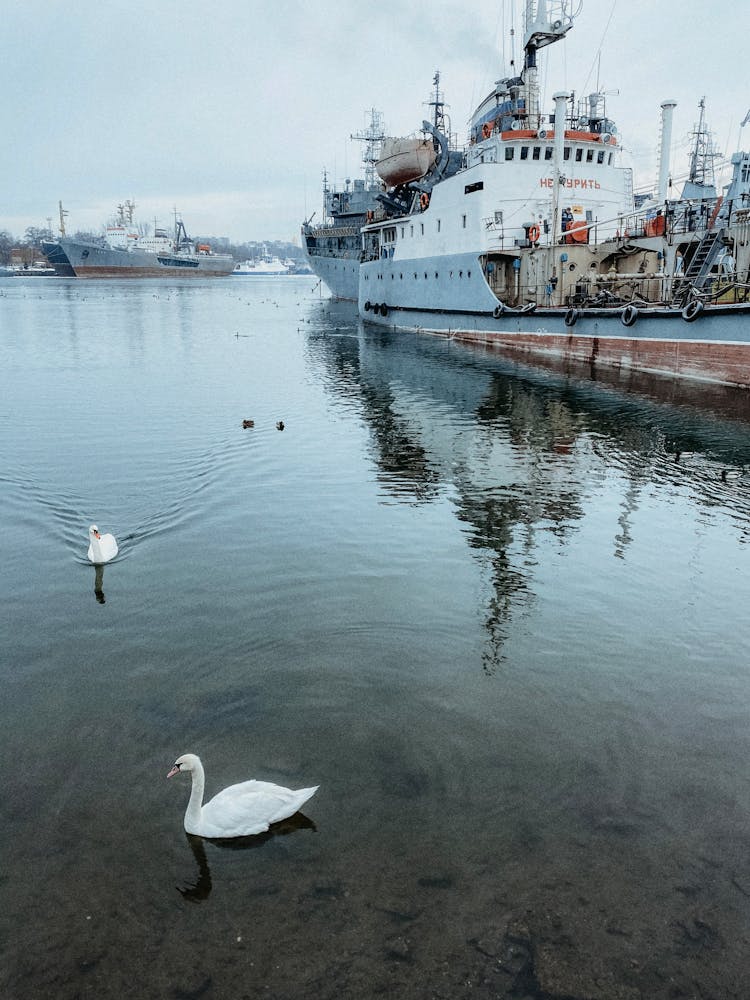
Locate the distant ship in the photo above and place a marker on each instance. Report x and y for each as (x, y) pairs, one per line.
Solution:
(124, 252)
(265, 267)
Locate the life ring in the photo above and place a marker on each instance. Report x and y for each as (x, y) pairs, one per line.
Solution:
(486, 130)
(570, 317)
(383, 309)
(692, 310)
(534, 234)
(368, 306)
(629, 315)
(424, 200)
(498, 310)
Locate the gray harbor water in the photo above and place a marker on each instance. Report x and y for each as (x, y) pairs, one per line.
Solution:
(500, 614)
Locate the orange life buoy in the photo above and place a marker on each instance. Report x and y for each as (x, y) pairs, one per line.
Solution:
(486, 130)
(534, 234)
(424, 200)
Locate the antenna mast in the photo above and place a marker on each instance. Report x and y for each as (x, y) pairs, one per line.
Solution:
(372, 137)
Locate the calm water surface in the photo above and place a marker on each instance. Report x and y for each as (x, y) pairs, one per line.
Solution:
(501, 615)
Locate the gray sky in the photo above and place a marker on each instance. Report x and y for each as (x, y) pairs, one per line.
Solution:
(230, 109)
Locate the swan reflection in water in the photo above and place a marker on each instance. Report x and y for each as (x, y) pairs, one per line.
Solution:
(98, 582)
(202, 888)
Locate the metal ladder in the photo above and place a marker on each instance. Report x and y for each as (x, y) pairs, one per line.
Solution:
(699, 269)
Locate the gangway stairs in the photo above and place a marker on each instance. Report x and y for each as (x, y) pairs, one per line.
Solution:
(698, 270)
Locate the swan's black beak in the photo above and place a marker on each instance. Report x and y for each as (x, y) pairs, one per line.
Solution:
(175, 770)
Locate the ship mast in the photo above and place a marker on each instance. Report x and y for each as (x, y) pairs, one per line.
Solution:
(545, 22)
(63, 213)
(372, 137)
(702, 154)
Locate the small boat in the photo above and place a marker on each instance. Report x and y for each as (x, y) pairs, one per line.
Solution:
(404, 160)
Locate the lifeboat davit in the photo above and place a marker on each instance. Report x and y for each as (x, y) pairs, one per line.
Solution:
(404, 160)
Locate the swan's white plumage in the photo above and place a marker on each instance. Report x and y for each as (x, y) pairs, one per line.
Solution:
(240, 810)
(102, 548)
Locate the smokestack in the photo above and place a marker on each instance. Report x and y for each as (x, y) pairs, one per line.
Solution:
(667, 110)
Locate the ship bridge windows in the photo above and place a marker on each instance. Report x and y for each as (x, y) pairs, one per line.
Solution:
(536, 153)
(589, 156)
(389, 235)
(600, 156)
(509, 151)
(524, 152)
(548, 151)
(579, 155)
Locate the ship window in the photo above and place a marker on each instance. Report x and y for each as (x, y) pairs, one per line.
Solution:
(535, 154)
(579, 155)
(548, 152)
(524, 152)
(609, 160)
(468, 274)
(403, 231)
(436, 274)
(566, 154)
(438, 225)
(476, 186)
(589, 156)
(425, 276)
(421, 226)
(509, 151)
(412, 230)
(600, 156)
(463, 222)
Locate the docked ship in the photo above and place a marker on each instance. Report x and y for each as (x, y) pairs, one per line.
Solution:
(530, 239)
(333, 247)
(125, 252)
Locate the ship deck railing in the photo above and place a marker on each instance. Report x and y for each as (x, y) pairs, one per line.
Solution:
(606, 291)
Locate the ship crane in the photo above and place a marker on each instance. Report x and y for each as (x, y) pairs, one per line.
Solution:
(546, 22)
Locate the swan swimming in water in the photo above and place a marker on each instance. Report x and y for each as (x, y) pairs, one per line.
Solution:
(240, 810)
(102, 548)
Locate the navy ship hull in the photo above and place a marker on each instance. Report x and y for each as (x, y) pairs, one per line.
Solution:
(334, 256)
(58, 259)
(89, 260)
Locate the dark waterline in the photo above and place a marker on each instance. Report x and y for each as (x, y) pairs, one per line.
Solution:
(500, 614)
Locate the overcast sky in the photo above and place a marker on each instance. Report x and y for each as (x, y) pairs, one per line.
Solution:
(230, 109)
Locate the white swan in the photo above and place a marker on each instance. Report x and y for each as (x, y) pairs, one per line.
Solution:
(102, 548)
(239, 810)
